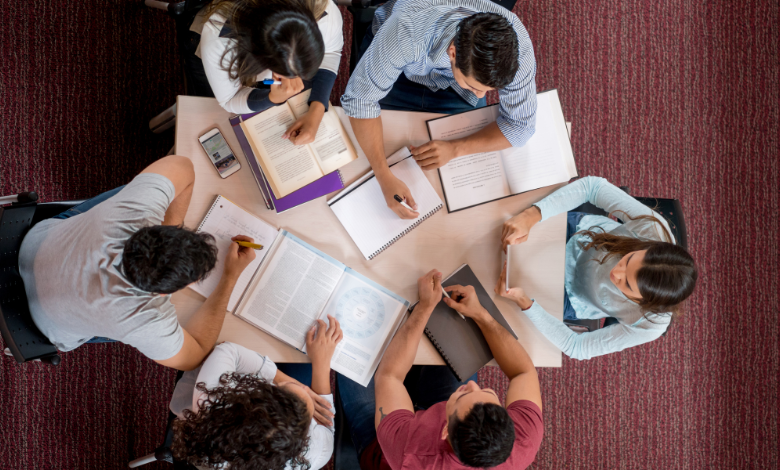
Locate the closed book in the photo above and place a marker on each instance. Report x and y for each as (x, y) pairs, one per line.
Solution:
(460, 342)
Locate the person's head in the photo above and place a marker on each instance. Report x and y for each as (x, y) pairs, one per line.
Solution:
(484, 53)
(657, 275)
(479, 429)
(247, 423)
(277, 35)
(163, 259)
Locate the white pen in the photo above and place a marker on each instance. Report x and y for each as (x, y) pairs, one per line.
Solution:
(403, 203)
(448, 296)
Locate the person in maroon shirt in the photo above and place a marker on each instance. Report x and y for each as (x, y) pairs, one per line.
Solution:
(467, 426)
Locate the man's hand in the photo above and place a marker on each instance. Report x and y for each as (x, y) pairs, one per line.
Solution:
(289, 88)
(304, 130)
(465, 301)
(515, 294)
(517, 228)
(429, 287)
(321, 341)
(238, 257)
(392, 186)
(434, 154)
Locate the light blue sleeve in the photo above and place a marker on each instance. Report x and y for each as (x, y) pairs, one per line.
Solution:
(583, 346)
(597, 191)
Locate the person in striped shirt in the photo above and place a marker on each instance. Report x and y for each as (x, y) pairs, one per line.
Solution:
(441, 56)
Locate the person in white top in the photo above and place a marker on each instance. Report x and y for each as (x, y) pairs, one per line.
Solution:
(246, 413)
(243, 42)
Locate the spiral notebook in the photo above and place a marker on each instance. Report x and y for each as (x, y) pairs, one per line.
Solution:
(362, 210)
(460, 342)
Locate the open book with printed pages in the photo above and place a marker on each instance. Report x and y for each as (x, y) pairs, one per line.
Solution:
(547, 158)
(289, 167)
(291, 284)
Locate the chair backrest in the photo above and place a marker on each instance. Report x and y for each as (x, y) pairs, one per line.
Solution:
(22, 337)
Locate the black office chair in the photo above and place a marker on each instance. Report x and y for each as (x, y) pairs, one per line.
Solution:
(23, 340)
(671, 210)
(183, 13)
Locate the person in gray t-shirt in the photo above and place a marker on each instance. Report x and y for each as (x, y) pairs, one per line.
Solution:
(109, 271)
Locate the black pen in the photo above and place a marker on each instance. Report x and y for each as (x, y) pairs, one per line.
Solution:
(403, 203)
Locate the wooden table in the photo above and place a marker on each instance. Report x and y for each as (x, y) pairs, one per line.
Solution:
(444, 242)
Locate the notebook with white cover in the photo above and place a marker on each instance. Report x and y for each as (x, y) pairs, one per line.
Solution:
(225, 220)
(362, 210)
(299, 284)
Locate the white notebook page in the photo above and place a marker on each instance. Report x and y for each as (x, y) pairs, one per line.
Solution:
(372, 225)
(224, 221)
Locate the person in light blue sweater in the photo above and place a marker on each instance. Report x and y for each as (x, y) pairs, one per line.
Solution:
(632, 271)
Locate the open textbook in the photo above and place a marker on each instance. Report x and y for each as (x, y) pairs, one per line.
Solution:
(299, 284)
(290, 167)
(546, 158)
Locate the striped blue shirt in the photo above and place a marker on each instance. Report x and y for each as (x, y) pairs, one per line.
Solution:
(412, 36)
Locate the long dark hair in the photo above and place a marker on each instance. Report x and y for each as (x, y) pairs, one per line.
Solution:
(668, 273)
(277, 35)
(247, 423)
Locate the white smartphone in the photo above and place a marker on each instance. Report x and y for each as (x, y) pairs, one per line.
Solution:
(219, 152)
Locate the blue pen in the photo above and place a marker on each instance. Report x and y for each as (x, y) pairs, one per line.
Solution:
(271, 81)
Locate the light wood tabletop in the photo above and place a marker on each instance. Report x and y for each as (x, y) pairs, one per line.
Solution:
(444, 241)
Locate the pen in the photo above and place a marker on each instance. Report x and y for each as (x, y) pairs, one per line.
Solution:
(403, 203)
(271, 81)
(250, 245)
(448, 296)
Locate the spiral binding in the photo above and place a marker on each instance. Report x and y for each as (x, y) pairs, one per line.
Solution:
(409, 229)
(441, 352)
(213, 205)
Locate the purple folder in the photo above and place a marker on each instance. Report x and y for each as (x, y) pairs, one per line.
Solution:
(325, 185)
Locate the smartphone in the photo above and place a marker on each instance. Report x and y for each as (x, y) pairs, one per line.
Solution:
(219, 152)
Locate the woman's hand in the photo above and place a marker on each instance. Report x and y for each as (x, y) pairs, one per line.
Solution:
(464, 300)
(515, 294)
(321, 341)
(304, 130)
(517, 228)
(289, 88)
(322, 413)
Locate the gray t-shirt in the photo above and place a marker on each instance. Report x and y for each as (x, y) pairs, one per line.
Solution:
(73, 277)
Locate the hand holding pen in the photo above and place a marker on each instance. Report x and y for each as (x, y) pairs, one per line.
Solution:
(465, 302)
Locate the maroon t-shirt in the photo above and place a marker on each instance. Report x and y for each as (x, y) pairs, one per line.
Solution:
(412, 441)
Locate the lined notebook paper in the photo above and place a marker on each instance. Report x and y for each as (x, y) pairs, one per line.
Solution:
(362, 210)
(225, 220)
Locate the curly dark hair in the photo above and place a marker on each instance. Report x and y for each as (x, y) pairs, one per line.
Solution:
(164, 259)
(247, 423)
(484, 438)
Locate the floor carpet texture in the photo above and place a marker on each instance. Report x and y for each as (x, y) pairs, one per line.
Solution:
(671, 98)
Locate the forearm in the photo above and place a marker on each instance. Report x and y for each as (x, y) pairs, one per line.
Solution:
(508, 352)
(320, 378)
(399, 357)
(370, 137)
(488, 139)
(178, 207)
(207, 321)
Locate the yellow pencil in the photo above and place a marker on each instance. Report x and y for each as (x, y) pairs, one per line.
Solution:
(250, 245)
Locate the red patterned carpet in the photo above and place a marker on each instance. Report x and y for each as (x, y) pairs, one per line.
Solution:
(674, 99)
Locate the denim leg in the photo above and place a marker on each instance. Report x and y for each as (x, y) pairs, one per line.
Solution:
(101, 339)
(359, 404)
(88, 204)
(428, 385)
(299, 371)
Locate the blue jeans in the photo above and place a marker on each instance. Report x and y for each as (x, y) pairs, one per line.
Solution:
(427, 385)
(80, 209)
(299, 371)
(407, 95)
(572, 219)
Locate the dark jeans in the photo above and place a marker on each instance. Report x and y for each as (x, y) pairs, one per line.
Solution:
(427, 385)
(572, 219)
(407, 95)
(80, 209)
(299, 371)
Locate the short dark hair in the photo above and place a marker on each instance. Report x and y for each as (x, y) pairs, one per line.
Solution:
(164, 259)
(484, 438)
(247, 423)
(486, 48)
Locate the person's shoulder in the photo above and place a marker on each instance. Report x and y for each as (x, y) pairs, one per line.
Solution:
(528, 419)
